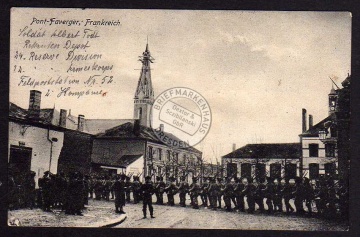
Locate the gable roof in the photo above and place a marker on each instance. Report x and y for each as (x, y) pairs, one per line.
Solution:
(126, 131)
(267, 150)
(314, 130)
(46, 115)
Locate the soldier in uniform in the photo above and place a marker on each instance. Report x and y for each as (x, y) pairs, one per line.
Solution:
(287, 194)
(119, 191)
(299, 196)
(128, 188)
(228, 192)
(29, 186)
(259, 194)
(136, 189)
(171, 190)
(156, 189)
(278, 207)
(147, 190)
(86, 190)
(183, 189)
(238, 188)
(220, 185)
(213, 193)
(161, 187)
(112, 181)
(308, 194)
(194, 193)
(249, 191)
(204, 192)
(269, 194)
(46, 184)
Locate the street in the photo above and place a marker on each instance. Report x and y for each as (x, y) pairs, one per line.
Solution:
(188, 218)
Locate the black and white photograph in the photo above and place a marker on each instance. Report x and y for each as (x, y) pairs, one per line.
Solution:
(179, 119)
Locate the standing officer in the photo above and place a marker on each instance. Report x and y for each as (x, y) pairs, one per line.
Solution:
(46, 184)
(278, 196)
(183, 189)
(147, 190)
(156, 189)
(119, 190)
(269, 194)
(308, 194)
(299, 196)
(194, 193)
(161, 187)
(136, 189)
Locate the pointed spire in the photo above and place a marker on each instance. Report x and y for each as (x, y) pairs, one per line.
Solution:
(147, 44)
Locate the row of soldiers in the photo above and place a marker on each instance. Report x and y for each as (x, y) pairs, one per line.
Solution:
(326, 195)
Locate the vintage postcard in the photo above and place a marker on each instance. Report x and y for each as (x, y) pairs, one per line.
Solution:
(179, 119)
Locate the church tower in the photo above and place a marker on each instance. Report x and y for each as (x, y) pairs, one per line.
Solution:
(332, 101)
(144, 94)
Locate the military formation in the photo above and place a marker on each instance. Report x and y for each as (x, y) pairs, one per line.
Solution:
(264, 195)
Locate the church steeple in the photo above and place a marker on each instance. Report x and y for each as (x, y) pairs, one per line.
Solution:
(144, 94)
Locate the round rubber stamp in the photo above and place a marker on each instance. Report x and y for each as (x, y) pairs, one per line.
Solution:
(180, 117)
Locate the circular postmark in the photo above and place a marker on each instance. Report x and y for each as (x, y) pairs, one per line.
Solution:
(180, 117)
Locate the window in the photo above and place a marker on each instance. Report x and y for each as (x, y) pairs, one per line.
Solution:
(176, 157)
(231, 169)
(160, 153)
(330, 168)
(168, 155)
(313, 171)
(246, 170)
(314, 150)
(330, 150)
(275, 171)
(150, 152)
(260, 171)
(184, 159)
(290, 171)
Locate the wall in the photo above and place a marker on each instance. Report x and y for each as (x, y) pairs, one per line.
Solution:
(321, 159)
(37, 139)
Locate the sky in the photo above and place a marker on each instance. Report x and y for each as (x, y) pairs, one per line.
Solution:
(256, 69)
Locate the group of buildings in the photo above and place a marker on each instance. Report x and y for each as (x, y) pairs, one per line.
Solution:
(324, 148)
(48, 139)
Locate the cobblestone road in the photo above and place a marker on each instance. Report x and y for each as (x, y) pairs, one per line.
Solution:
(188, 218)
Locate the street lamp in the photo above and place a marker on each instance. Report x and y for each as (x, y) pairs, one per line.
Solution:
(322, 134)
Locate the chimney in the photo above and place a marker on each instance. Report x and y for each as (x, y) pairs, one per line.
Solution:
(136, 129)
(34, 104)
(62, 121)
(310, 121)
(303, 120)
(161, 127)
(234, 147)
(81, 121)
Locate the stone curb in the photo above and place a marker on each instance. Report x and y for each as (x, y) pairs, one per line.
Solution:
(115, 222)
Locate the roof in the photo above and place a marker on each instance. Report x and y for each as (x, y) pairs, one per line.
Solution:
(314, 130)
(126, 131)
(267, 150)
(126, 160)
(96, 126)
(46, 115)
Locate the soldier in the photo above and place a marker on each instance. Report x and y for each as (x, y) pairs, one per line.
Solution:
(62, 183)
(183, 189)
(112, 181)
(269, 194)
(147, 191)
(171, 190)
(12, 192)
(299, 196)
(86, 190)
(119, 191)
(308, 194)
(238, 188)
(98, 188)
(128, 188)
(161, 187)
(106, 188)
(46, 184)
(220, 185)
(249, 191)
(194, 193)
(136, 189)
(278, 207)
(259, 194)
(228, 192)
(213, 193)
(287, 194)
(156, 189)
(331, 196)
(29, 188)
(204, 192)
(321, 196)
